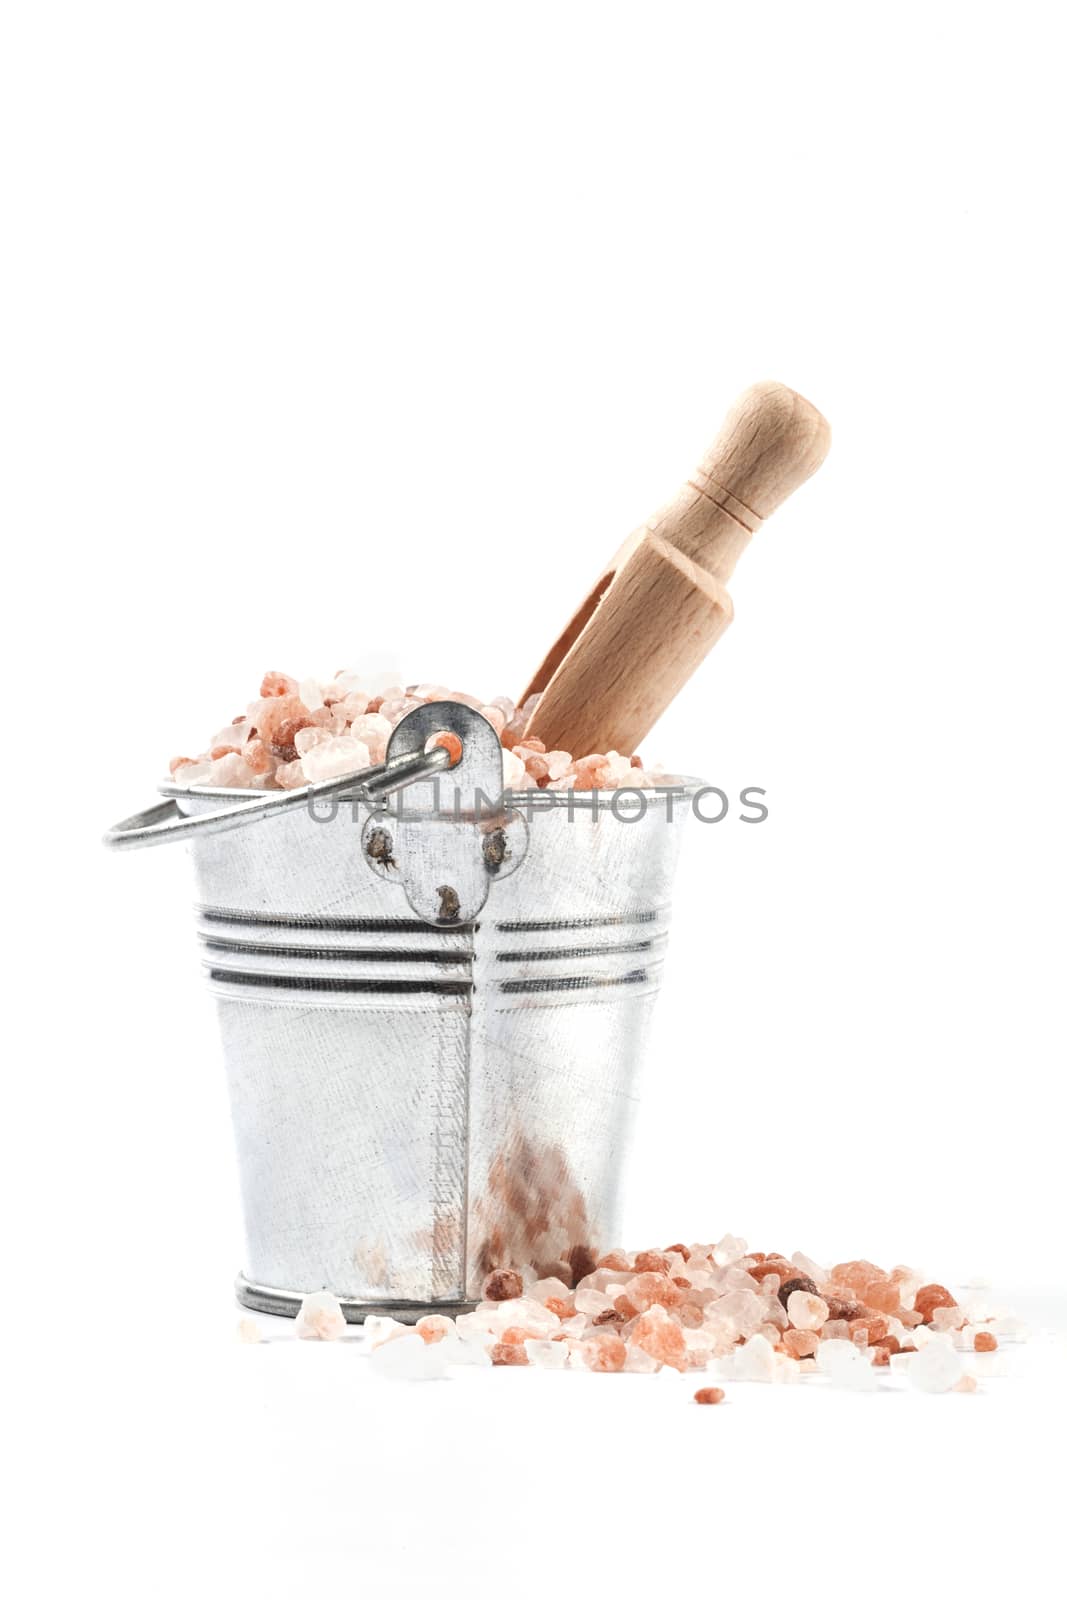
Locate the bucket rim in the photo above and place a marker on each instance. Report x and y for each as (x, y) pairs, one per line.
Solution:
(675, 786)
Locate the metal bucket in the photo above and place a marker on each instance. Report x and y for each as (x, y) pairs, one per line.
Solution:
(432, 1018)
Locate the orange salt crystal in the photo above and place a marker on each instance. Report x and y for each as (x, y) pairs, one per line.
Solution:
(503, 1284)
(509, 1355)
(782, 1268)
(625, 1307)
(879, 1356)
(651, 1261)
(929, 1297)
(605, 1352)
(985, 1341)
(678, 1249)
(433, 1329)
(709, 1397)
(800, 1342)
(868, 1330)
(615, 1261)
(180, 761)
(559, 1307)
(882, 1297)
(653, 1289)
(514, 1336)
(447, 741)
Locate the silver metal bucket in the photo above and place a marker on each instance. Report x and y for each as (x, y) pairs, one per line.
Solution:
(432, 1038)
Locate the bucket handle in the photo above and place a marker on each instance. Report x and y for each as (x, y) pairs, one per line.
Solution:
(161, 824)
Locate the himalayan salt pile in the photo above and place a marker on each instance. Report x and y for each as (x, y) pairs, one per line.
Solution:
(297, 733)
(757, 1316)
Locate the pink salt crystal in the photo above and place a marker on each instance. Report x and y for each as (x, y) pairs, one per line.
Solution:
(604, 1352)
(230, 772)
(558, 762)
(276, 684)
(259, 758)
(968, 1384)
(311, 694)
(946, 1319)
(354, 705)
(290, 775)
(248, 1331)
(664, 1340)
(615, 1261)
(509, 1355)
(514, 772)
(320, 1316)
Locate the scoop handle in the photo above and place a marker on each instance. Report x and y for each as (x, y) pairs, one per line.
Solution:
(661, 604)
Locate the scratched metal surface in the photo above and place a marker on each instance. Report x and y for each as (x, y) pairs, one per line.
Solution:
(414, 1103)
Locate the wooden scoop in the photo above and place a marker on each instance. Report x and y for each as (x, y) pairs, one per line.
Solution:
(654, 614)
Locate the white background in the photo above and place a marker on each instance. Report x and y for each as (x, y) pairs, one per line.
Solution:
(336, 335)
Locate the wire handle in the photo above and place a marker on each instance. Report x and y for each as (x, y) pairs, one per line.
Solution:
(161, 824)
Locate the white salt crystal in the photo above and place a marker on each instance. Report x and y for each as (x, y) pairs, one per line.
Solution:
(936, 1367)
(308, 738)
(193, 772)
(408, 1357)
(320, 1316)
(311, 694)
(465, 1352)
(810, 1269)
(248, 1331)
(752, 1362)
(846, 1366)
(549, 1289)
(728, 1250)
(1007, 1328)
(593, 1302)
(639, 1360)
(547, 1352)
(807, 1310)
(334, 758)
(378, 1330)
(513, 771)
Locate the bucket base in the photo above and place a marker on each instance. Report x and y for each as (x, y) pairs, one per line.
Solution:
(286, 1303)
